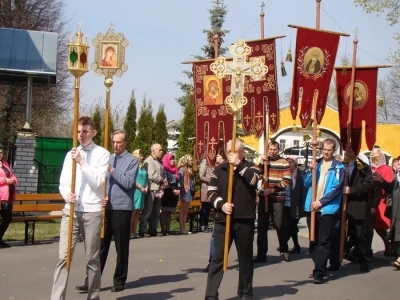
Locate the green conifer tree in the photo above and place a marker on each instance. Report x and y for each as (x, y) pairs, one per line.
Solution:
(145, 124)
(185, 144)
(130, 122)
(160, 129)
(97, 121)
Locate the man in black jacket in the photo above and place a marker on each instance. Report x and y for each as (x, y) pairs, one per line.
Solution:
(243, 213)
(358, 189)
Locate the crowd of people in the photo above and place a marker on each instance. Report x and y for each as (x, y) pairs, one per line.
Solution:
(142, 194)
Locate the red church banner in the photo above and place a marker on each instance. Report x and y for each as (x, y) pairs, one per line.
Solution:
(315, 56)
(260, 93)
(213, 118)
(364, 105)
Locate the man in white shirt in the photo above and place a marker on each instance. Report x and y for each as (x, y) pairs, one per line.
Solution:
(92, 163)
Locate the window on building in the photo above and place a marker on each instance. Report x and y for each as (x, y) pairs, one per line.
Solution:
(282, 144)
(296, 143)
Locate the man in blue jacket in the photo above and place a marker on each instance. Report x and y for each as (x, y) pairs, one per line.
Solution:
(330, 183)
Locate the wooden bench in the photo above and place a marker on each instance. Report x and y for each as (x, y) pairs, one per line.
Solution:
(36, 203)
(193, 212)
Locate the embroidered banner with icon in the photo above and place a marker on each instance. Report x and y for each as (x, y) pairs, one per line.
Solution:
(314, 59)
(260, 93)
(213, 118)
(364, 105)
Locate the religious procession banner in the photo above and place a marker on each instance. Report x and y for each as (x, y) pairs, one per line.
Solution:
(213, 117)
(315, 56)
(364, 105)
(263, 92)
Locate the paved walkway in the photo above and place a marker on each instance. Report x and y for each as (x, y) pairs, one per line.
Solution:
(171, 268)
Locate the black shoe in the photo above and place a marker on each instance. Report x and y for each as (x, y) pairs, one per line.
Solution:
(295, 250)
(278, 249)
(206, 269)
(334, 267)
(82, 288)
(318, 280)
(4, 245)
(117, 288)
(364, 267)
(286, 256)
(259, 260)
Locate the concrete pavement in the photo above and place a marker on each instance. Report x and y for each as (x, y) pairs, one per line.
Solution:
(171, 268)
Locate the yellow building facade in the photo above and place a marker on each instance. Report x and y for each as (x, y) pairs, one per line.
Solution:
(387, 135)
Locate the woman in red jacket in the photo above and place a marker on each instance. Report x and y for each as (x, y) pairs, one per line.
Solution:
(7, 196)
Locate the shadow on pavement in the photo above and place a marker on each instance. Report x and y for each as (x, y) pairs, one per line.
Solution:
(156, 296)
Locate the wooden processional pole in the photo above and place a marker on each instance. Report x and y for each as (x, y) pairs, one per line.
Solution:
(314, 141)
(348, 148)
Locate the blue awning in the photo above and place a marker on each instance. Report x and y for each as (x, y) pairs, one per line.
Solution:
(28, 53)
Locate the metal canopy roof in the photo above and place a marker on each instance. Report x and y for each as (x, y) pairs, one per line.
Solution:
(26, 53)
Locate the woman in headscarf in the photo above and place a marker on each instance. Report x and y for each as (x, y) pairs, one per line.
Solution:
(186, 189)
(171, 193)
(381, 171)
(7, 196)
(140, 192)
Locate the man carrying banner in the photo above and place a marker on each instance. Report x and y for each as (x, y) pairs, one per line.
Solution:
(330, 183)
(92, 164)
(243, 212)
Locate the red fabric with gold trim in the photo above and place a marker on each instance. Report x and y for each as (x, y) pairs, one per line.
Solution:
(261, 91)
(315, 57)
(364, 106)
(213, 117)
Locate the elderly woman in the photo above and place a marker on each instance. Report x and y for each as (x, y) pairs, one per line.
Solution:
(7, 196)
(186, 189)
(394, 188)
(381, 171)
(205, 173)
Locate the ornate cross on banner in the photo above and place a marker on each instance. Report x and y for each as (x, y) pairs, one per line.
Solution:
(237, 69)
(273, 118)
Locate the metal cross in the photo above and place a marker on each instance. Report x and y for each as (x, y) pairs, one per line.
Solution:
(111, 25)
(262, 6)
(238, 68)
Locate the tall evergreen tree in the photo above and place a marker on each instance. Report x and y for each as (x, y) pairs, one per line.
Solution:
(130, 122)
(186, 101)
(160, 129)
(144, 138)
(97, 121)
(185, 144)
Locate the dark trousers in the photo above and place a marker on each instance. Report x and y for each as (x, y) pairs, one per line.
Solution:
(205, 213)
(277, 211)
(320, 248)
(335, 247)
(242, 231)
(211, 246)
(291, 228)
(358, 232)
(117, 224)
(6, 216)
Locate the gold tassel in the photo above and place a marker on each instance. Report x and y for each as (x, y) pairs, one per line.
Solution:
(318, 131)
(306, 136)
(345, 160)
(344, 69)
(380, 102)
(289, 56)
(283, 70)
(360, 165)
(295, 128)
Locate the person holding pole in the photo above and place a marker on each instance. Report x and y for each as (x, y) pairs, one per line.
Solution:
(242, 211)
(330, 183)
(92, 163)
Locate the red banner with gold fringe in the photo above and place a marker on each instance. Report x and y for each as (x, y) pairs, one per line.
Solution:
(315, 56)
(364, 105)
(213, 118)
(260, 93)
